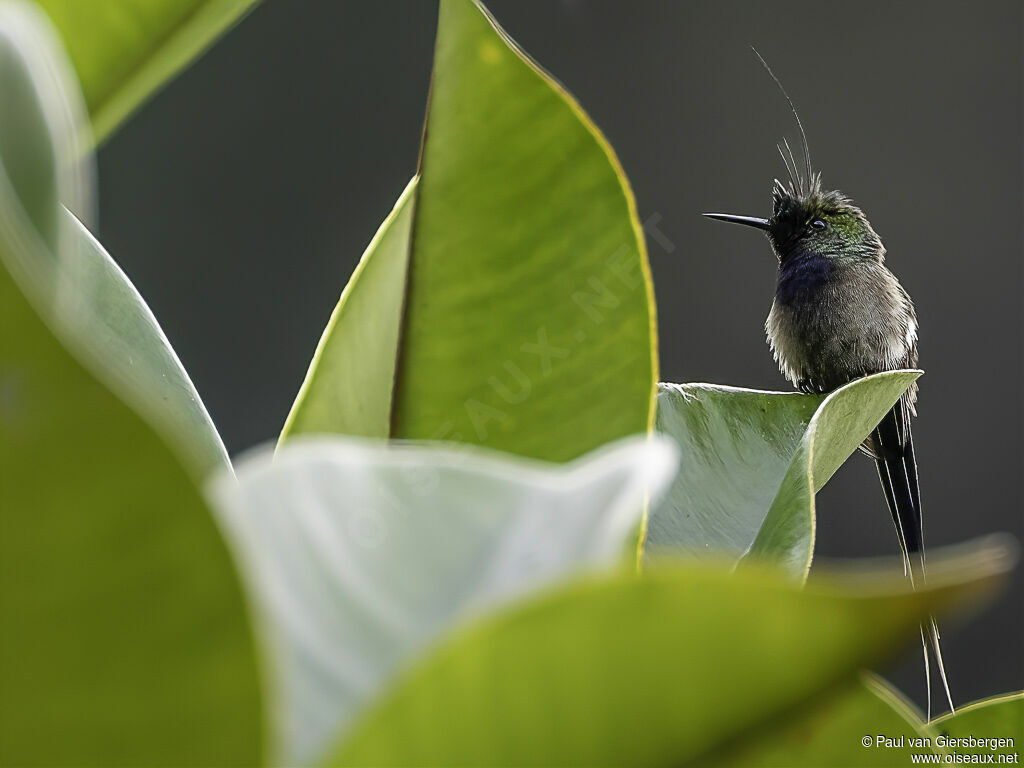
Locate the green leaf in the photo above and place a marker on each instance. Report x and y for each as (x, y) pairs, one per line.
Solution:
(361, 552)
(525, 311)
(832, 733)
(662, 669)
(124, 50)
(752, 462)
(125, 636)
(350, 383)
(998, 717)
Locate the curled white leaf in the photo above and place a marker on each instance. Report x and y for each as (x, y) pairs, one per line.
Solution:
(360, 553)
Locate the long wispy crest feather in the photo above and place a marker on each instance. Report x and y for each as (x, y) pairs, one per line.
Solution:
(806, 183)
(789, 168)
(794, 175)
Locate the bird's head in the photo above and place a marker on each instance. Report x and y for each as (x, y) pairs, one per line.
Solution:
(807, 219)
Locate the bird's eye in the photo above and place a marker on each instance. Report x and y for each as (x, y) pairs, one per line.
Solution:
(818, 224)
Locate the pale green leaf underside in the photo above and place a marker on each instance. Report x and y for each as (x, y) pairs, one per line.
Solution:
(362, 552)
(751, 462)
(109, 318)
(124, 50)
(526, 318)
(840, 424)
(664, 669)
(125, 634)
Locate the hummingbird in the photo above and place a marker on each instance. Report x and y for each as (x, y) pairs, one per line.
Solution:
(839, 314)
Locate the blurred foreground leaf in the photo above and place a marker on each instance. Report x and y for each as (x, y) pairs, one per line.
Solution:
(361, 552)
(832, 733)
(82, 292)
(509, 295)
(124, 50)
(125, 640)
(664, 669)
(752, 462)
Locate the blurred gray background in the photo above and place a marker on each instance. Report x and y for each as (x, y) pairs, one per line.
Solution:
(240, 198)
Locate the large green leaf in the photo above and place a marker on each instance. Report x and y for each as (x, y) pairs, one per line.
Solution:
(663, 669)
(125, 638)
(520, 315)
(752, 462)
(361, 552)
(123, 50)
(999, 717)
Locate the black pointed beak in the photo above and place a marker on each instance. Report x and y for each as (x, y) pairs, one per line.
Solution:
(750, 221)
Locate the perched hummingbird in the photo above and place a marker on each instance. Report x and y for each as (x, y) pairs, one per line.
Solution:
(840, 314)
